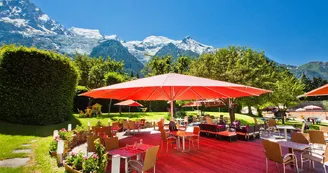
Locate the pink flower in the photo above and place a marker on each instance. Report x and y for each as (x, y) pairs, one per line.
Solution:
(85, 157)
(95, 156)
(73, 153)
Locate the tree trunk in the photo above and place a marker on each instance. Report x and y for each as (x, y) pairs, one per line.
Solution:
(90, 101)
(232, 114)
(231, 110)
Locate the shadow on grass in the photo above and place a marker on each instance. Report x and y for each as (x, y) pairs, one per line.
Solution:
(33, 130)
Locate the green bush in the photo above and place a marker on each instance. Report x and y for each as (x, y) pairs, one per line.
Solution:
(36, 86)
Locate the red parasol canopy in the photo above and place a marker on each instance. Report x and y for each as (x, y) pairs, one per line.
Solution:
(173, 86)
(321, 91)
(129, 103)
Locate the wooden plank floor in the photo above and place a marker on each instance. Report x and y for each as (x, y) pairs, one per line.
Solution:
(213, 156)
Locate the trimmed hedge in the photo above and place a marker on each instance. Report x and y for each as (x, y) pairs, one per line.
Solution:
(36, 86)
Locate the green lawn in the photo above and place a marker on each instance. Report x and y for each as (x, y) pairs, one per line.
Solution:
(12, 136)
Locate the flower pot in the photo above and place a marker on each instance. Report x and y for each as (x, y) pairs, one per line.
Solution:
(69, 168)
(53, 153)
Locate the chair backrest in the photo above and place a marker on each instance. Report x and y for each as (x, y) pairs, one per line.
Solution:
(107, 130)
(303, 127)
(196, 130)
(160, 125)
(125, 125)
(272, 151)
(150, 158)
(132, 125)
(317, 137)
(272, 122)
(91, 145)
(116, 125)
(326, 155)
(163, 135)
(299, 138)
(111, 143)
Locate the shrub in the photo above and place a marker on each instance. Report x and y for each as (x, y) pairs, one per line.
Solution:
(181, 114)
(36, 86)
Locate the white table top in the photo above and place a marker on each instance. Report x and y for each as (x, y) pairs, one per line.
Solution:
(285, 127)
(293, 145)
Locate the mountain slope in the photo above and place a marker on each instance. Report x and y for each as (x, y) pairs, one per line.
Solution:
(22, 16)
(311, 69)
(117, 51)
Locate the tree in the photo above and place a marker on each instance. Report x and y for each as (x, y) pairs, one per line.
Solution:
(182, 65)
(240, 65)
(131, 74)
(97, 73)
(158, 65)
(286, 90)
(307, 83)
(84, 64)
(114, 78)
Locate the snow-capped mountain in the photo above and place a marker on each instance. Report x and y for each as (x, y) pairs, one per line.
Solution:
(151, 45)
(22, 16)
(87, 33)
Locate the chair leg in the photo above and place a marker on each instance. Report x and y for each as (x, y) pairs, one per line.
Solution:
(266, 165)
(154, 168)
(296, 164)
(313, 165)
(324, 167)
(284, 166)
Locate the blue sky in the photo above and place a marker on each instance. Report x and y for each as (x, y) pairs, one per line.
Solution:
(289, 31)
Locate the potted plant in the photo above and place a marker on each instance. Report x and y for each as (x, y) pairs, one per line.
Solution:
(53, 147)
(73, 163)
(97, 163)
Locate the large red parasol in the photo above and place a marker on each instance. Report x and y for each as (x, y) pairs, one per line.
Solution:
(172, 87)
(321, 91)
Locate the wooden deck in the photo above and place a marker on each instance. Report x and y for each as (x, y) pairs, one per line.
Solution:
(213, 156)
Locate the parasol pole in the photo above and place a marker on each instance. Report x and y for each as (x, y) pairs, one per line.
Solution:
(110, 104)
(172, 112)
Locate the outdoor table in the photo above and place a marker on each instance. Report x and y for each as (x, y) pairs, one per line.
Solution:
(285, 127)
(293, 145)
(183, 135)
(128, 152)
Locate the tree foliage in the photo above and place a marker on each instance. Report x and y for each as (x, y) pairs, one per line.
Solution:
(162, 65)
(114, 78)
(36, 86)
(286, 89)
(93, 70)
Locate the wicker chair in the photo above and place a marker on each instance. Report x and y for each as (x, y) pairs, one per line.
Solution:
(111, 143)
(273, 153)
(167, 140)
(317, 137)
(314, 155)
(196, 131)
(132, 126)
(148, 162)
(91, 147)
